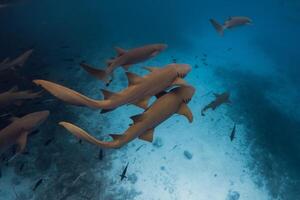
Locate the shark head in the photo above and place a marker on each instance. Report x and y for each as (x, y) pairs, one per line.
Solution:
(185, 92)
(33, 120)
(181, 69)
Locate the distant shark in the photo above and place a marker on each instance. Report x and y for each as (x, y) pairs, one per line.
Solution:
(220, 99)
(13, 96)
(144, 124)
(19, 129)
(125, 58)
(139, 91)
(17, 62)
(230, 23)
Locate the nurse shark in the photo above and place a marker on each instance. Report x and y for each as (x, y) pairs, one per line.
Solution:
(139, 91)
(144, 124)
(17, 62)
(125, 58)
(19, 129)
(220, 99)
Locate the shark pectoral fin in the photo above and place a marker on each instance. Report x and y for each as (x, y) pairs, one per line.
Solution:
(151, 69)
(120, 51)
(137, 118)
(98, 73)
(162, 93)
(143, 103)
(115, 136)
(109, 61)
(147, 136)
(133, 78)
(185, 110)
(179, 82)
(22, 141)
(107, 94)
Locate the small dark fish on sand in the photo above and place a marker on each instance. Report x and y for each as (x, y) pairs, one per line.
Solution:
(101, 154)
(22, 167)
(123, 175)
(137, 149)
(232, 135)
(38, 183)
(49, 141)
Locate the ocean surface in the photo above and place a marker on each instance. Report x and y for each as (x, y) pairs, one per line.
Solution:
(259, 64)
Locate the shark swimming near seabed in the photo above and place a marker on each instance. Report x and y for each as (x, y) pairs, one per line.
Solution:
(14, 96)
(125, 59)
(139, 91)
(144, 124)
(17, 131)
(231, 22)
(7, 63)
(220, 99)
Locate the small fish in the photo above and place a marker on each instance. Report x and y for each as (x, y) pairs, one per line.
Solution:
(21, 167)
(123, 175)
(137, 149)
(232, 135)
(38, 183)
(101, 154)
(49, 141)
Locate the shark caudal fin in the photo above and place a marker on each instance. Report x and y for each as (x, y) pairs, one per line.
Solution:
(219, 28)
(81, 134)
(98, 73)
(68, 95)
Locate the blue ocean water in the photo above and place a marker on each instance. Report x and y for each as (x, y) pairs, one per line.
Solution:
(258, 64)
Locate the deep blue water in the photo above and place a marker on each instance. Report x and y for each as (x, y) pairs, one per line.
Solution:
(258, 64)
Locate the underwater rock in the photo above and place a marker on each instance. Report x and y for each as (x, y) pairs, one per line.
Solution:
(233, 195)
(158, 142)
(188, 155)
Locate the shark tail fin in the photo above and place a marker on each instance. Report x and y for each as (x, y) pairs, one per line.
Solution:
(68, 95)
(82, 134)
(219, 28)
(98, 73)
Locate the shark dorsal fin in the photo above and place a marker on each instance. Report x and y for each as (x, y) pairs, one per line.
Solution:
(107, 94)
(120, 51)
(137, 118)
(115, 136)
(185, 110)
(22, 141)
(143, 103)
(133, 78)
(151, 69)
(147, 136)
(179, 82)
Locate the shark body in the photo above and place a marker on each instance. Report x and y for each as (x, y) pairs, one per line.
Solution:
(125, 58)
(19, 129)
(13, 96)
(144, 124)
(230, 23)
(219, 100)
(138, 92)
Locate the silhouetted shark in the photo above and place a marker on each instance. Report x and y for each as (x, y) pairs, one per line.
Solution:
(19, 129)
(220, 99)
(230, 23)
(144, 124)
(125, 58)
(139, 91)
(13, 96)
(17, 62)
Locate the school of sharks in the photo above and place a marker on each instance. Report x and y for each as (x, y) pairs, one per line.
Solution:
(165, 83)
